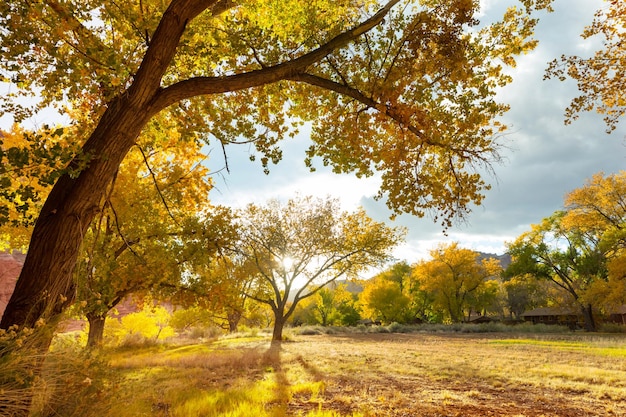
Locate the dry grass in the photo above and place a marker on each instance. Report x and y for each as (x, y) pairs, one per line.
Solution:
(416, 375)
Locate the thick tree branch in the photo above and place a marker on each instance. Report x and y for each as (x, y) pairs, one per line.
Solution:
(214, 85)
(359, 96)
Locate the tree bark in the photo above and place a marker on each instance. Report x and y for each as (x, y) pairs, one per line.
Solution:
(279, 324)
(590, 322)
(96, 330)
(233, 320)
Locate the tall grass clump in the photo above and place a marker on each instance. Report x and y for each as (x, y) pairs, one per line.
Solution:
(147, 327)
(21, 358)
(38, 380)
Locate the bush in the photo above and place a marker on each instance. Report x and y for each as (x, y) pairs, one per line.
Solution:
(146, 327)
(612, 328)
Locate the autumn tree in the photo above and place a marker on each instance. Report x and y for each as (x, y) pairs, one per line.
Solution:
(599, 209)
(154, 221)
(393, 295)
(220, 286)
(523, 293)
(401, 88)
(382, 300)
(301, 246)
(601, 78)
(567, 257)
(457, 279)
(333, 305)
(580, 249)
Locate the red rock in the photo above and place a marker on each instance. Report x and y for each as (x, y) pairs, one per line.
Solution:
(10, 266)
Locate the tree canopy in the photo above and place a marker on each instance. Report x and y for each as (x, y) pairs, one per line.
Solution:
(581, 248)
(601, 78)
(404, 88)
(302, 246)
(458, 280)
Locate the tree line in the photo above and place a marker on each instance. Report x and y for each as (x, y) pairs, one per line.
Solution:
(572, 260)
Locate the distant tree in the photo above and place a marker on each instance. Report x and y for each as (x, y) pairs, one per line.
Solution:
(382, 300)
(598, 209)
(403, 88)
(220, 286)
(523, 293)
(457, 279)
(302, 246)
(567, 257)
(331, 306)
(581, 248)
(601, 78)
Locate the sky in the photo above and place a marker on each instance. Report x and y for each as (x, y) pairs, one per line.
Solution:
(544, 159)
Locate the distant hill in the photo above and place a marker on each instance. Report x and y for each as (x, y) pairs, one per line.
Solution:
(351, 286)
(505, 259)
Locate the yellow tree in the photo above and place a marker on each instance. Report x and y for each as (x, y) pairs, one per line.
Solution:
(601, 78)
(382, 300)
(146, 229)
(455, 277)
(302, 246)
(598, 209)
(405, 88)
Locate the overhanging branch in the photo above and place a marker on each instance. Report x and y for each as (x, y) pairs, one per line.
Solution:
(215, 85)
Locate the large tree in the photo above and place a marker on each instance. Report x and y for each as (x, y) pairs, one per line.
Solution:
(581, 248)
(399, 87)
(302, 246)
(570, 258)
(599, 209)
(457, 280)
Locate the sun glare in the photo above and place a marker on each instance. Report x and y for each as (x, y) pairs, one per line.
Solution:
(287, 262)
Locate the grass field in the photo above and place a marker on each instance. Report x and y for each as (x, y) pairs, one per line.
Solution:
(424, 374)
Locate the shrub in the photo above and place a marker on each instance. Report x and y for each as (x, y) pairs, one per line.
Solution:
(145, 327)
(612, 328)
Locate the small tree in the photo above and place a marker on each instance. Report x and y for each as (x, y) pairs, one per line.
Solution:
(302, 246)
(523, 292)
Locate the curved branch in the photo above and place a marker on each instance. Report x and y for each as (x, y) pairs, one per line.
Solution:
(156, 184)
(359, 96)
(196, 86)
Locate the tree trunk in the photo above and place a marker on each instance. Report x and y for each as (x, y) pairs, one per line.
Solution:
(96, 330)
(279, 323)
(45, 287)
(590, 323)
(233, 320)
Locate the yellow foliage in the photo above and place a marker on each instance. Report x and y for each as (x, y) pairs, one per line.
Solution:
(149, 324)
